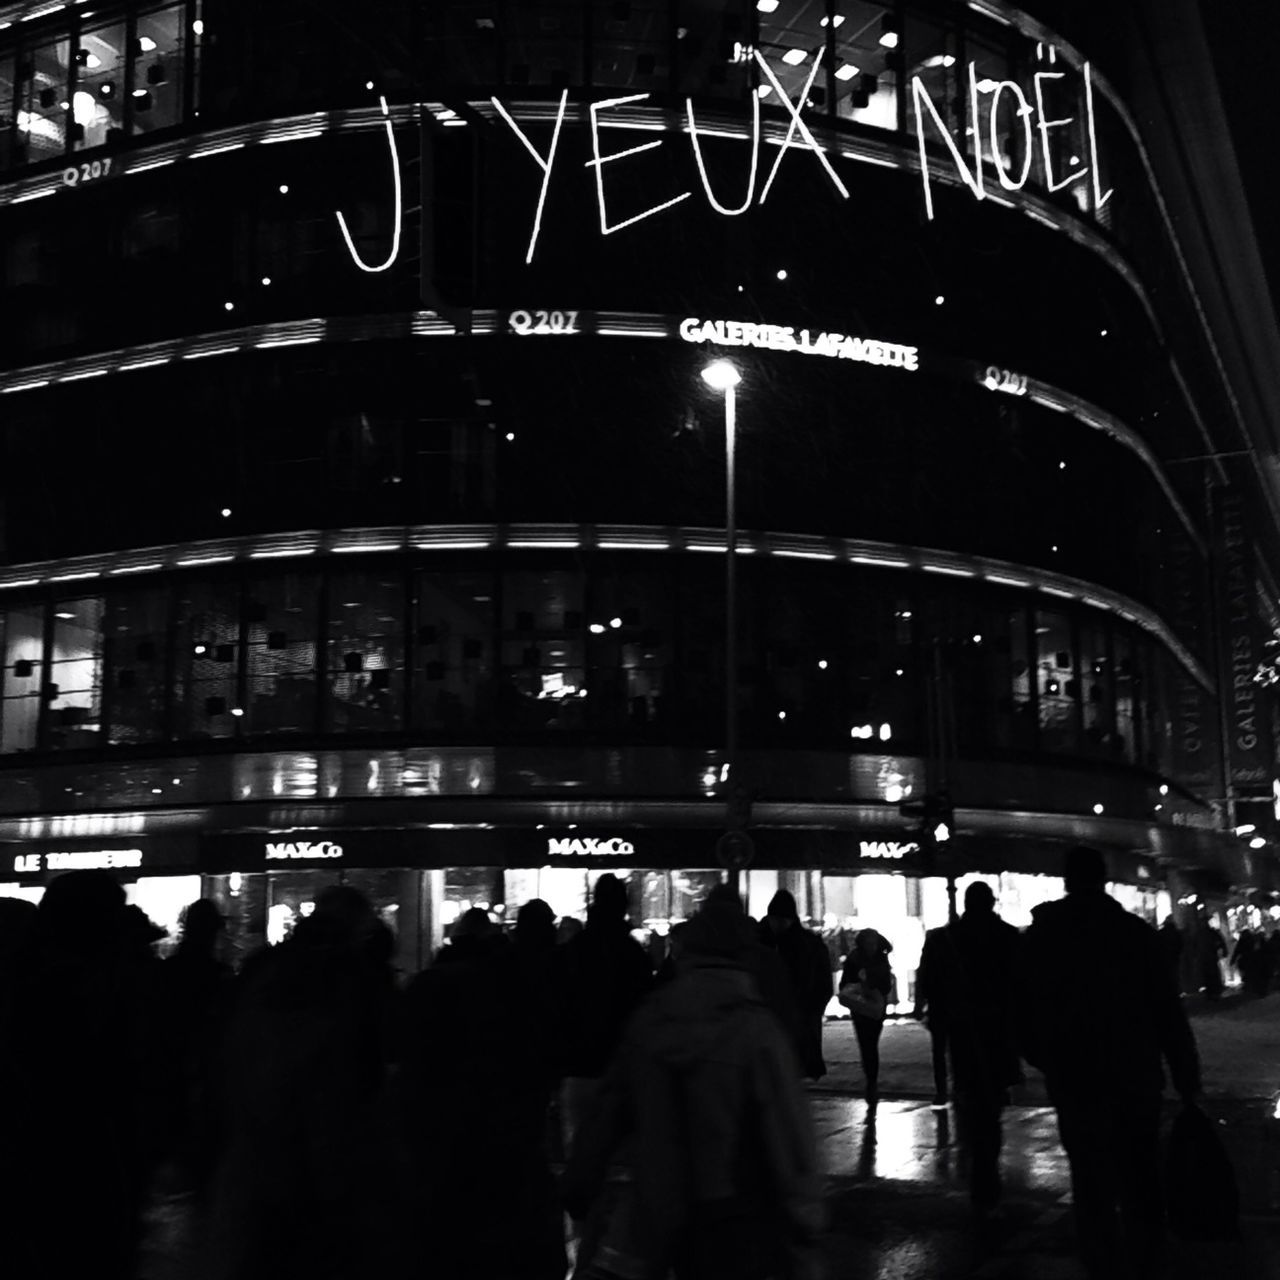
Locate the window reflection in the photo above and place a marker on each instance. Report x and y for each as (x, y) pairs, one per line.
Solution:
(1125, 697)
(1095, 675)
(23, 671)
(628, 649)
(159, 69)
(42, 101)
(280, 642)
(453, 652)
(866, 65)
(543, 677)
(136, 639)
(207, 662)
(1058, 688)
(8, 92)
(98, 103)
(365, 658)
(75, 673)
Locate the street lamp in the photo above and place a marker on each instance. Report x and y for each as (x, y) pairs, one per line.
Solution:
(723, 376)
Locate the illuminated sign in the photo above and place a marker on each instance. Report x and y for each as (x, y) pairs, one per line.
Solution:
(994, 379)
(775, 337)
(80, 860)
(588, 846)
(526, 322)
(281, 850)
(885, 849)
(73, 175)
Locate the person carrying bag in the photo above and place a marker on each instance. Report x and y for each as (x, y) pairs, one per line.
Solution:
(864, 990)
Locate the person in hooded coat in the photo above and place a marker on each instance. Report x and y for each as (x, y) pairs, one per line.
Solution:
(1102, 1060)
(704, 1107)
(808, 966)
(868, 963)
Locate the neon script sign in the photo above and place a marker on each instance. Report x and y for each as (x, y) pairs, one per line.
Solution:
(774, 337)
(992, 104)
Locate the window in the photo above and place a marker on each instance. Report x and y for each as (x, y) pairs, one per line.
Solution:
(453, 652)
(98, 103)
(1058, 685)
(1021, 689)
(159, 70)
(207, 661)
(280, 655)
(544, 42)
(707, 61)
(365, 658)
(8, 106)
(631, 45)
(136, 629)
(42, 101)
(75, 674)
(543, 677)
(867, 62)
(23, 670)
(1126, 693)
(1095, 675)
(628, 661)
(791, 38)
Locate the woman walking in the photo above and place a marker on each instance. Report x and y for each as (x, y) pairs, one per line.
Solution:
(864, 990)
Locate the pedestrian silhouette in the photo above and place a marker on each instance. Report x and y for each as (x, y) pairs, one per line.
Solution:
(704, 1109)
(805, 958)
(932, 1006)
(1098, 1015)
(602, 974)
(1172, 942)
(864, 989)
(979, 953)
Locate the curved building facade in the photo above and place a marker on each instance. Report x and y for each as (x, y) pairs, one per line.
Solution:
(365, 512)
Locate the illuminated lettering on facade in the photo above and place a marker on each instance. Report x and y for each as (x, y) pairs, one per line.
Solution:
(983, 125)
(885, 849)
(774, 337)
(286, 849)
(80, 860)
(527, 322)
(588, 846)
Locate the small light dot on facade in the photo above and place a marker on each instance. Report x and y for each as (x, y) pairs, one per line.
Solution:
(893, 793)
(266, 280)
(886, 732)
(782, 715)
(199, 649)
(977, 639)
(1159, 807)
(1054, 548)
(155, 791)
(226, 511)
(782, 274)
(596, 628)
(228, 306)
(1103, 332)
(284, 188)
(1097, 808)
(615, 623)
(511, 435)
(1257, 842)
(767, 6)
(1062, 466)
(939, 300)
(368, 84)
(822, 664)
(177, 782)
(899, 672)
(720, 375)
(237, 711)
(198, 26)
(1164, 788)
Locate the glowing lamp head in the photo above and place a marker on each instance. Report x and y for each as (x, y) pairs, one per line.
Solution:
(721, 375)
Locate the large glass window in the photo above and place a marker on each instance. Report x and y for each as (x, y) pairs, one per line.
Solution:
(453, 652)
(866, 64)
(280, 654)
(543, 676)
(544, 42)
(207, 660)
(365, 659)
(136, 629)
(75, 673)
(42, 101)
(23, 672)
(792, 37)
(159, 69)
(98, 103)
(631, 44)
(1057, 683)
(8, 106)
(1126, 716)
(1098, 704)
(628, 651)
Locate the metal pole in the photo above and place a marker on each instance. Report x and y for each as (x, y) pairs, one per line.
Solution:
(730, 608)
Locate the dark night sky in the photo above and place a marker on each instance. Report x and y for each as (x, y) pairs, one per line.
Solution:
(1245, 39)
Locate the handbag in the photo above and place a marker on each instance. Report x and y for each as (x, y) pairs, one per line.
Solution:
(863, 1000)
(1201, 1195)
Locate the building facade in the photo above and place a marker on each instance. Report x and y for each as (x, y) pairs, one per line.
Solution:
(364, 514)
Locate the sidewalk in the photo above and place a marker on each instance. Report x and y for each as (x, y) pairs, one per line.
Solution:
(896, 1192)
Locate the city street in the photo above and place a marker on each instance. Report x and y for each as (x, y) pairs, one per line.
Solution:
(899, 1210)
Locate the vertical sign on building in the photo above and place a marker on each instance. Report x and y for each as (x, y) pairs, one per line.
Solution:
(1197, 738)
(1248, 725)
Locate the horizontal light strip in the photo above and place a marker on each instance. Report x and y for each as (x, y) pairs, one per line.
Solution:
(698, 546)
(285, 342)
(855, 155)
(215, 351)
(20, 582)
(805, 555)
(80, 377)
(636, 546)
(280, 555)
(374, 546)
(144, 168)
(216, 151)
(26, 386)
(632, 333)
(33, 195)
(954, 573)
(533, 546)
(881, 561)
(138, 568)
(144, 364)
(75, 577)
(1007, 582)
(451, 546)
(195, 560)
(292, 137)
(1057, 591)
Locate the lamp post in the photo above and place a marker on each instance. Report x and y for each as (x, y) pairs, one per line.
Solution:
(723, 376)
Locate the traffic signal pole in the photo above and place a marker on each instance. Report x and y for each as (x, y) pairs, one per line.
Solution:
(940, 707)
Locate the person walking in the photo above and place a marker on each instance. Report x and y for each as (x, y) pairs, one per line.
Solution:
(804, 955)
(932, 1005)
(1102, 1060)
(602, 974)
(864, 989)
(704, 1108)
(1171, 941)
(982, 1035)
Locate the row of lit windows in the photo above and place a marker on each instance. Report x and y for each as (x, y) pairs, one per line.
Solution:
(545, 654)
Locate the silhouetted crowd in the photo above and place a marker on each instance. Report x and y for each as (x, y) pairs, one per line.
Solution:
(312, 1116)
